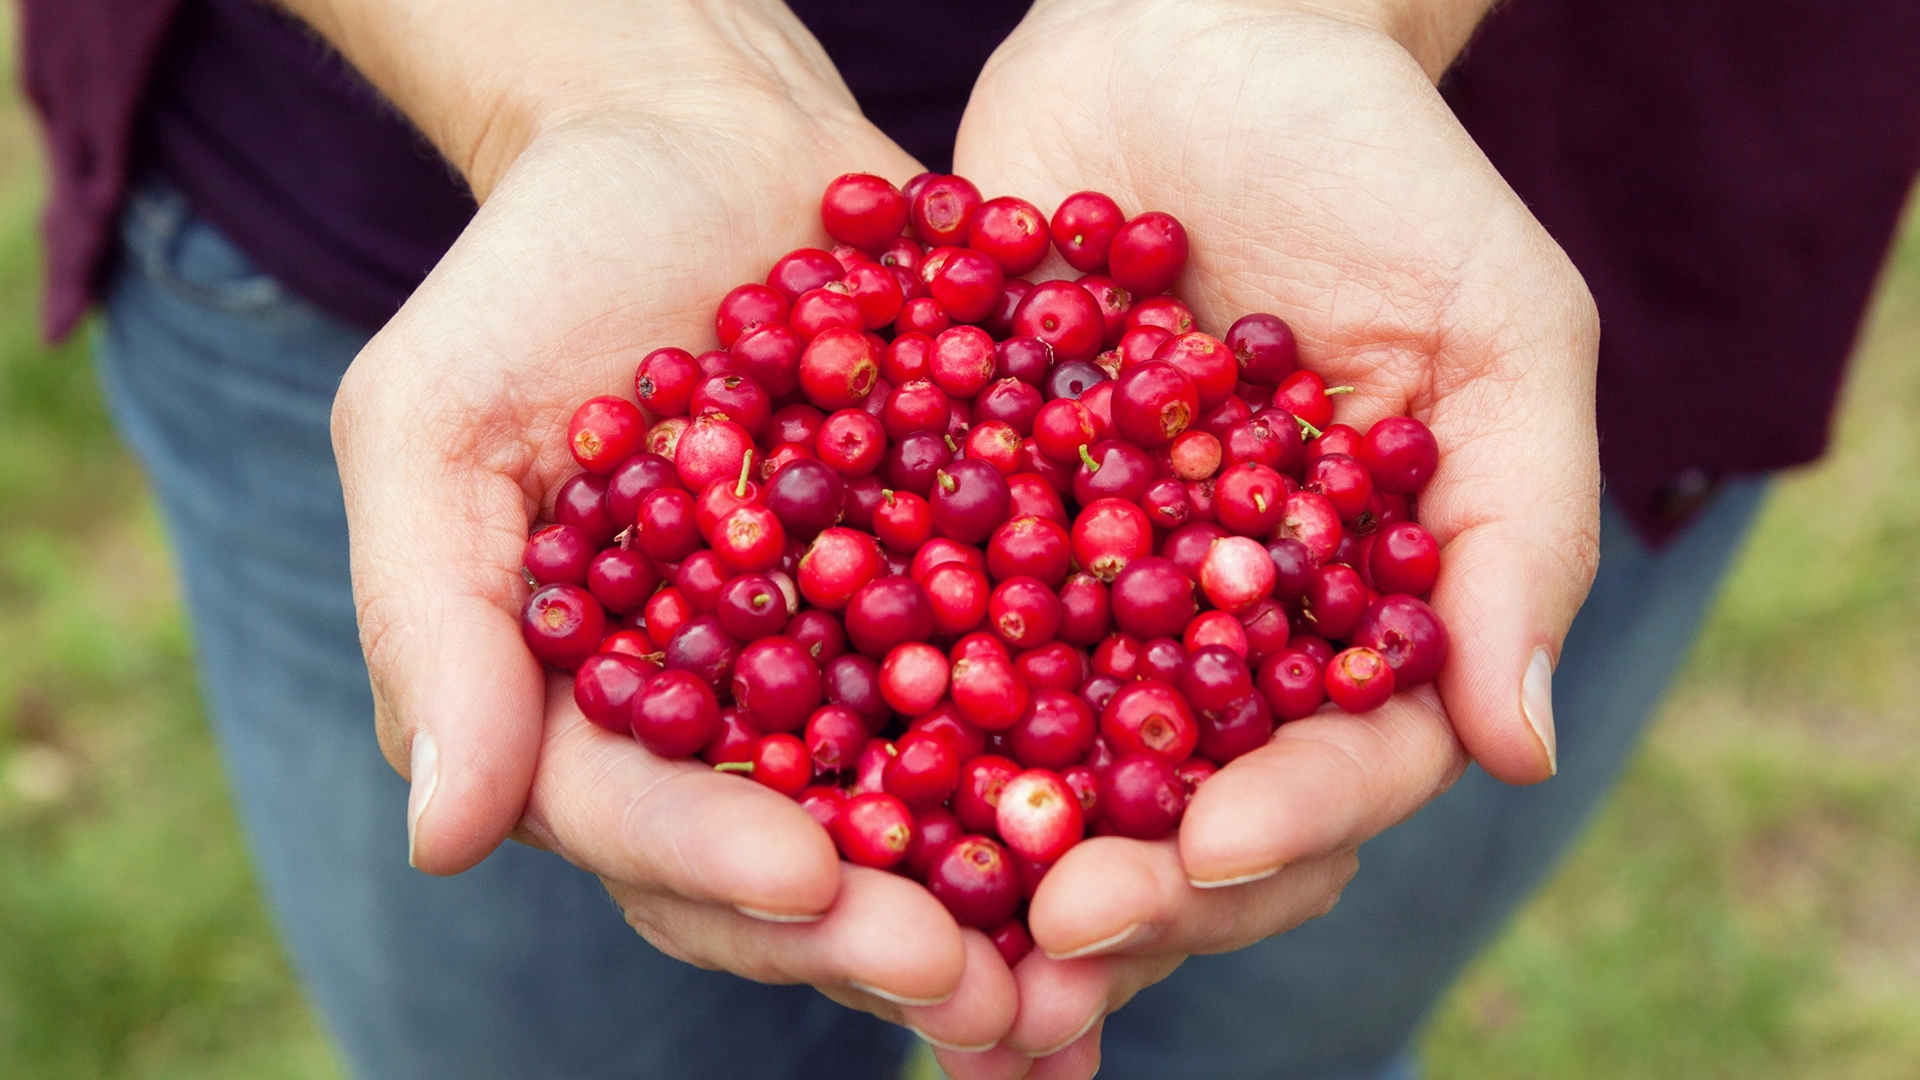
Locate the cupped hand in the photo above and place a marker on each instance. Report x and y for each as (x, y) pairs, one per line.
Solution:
(1321, 178)
(614, 231)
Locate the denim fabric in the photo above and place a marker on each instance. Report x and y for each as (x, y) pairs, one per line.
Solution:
(222, 381)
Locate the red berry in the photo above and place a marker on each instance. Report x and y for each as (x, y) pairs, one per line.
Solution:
(1012, 232)
(1148, 253)
(1359, 680)
(1113, 469)
(713, 447)
(637, 477)
(838, 564)
(1215, 677)
(1086, 612)
(665, 614)
(747, 307)
(913, 677)
(1409, 634)
(988, 692)
(835, 736)
(1309, 518)
(1336, 601)
(1008, 401)
(1150, 717)
(888, 611)
(969, 500)
(1239, 727)
(1293, 683)
(1083, 228)
(604, 687)
(1032, 547)
(967, 285)
(1304, 395)
(968, 742)
(604, 432)
(558, 553)
(1405, 559)
(1163, 659)
(943, 209)
(838, 369)
(776, 684)
(823, 803)
(735, 742)
(1153, 403)
(621, 580)
(1152, 598)
(1207, 361)
(806, 497)
(852, 681)
(873, 829)
(1039, 816)
(1053, 666)
(664, 381)
(1118, 655)
(933, 829)
(1013, 941)
(751, 607)
(922, 315)
(1056, 730)
(1108, 535)
(802, 270)
(1065, 316)
(903, 521)
(995, 443)
(962, 361)
(1344, 481)
(863, 210)
(924, 770)
(1167, 504)
(770, 355)
(976, 802)
(820, 309)
(976, 880)
(1264, 347)
(876, 293)
(749, 538)
(1142, 797)
(1024, 611)
(1401, 453)
(675, 714)
(851, 442)
(563, 625)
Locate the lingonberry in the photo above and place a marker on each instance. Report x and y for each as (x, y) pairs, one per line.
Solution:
(838, 564)
(604, 432)
(1401, 453)
(1335, 439)
(1032, 547)
(1150, 717)
(988, 692)
(914, 677)
(1152, 598)
(776, 684)
(967, 285)
(1336, 601)
(1167, 313)
(1010, 231)
(700, 578)
(751, 607)
(1061, 428)
(703, 648)
(1024, 358)
(943, 208)
(1207, 361)
(968, 742)
(635, 479)
(1142, 797)
(962, 361)
(1114, 303)
(942, 550)
(806, 497)
(1344, 481)
(665, 614)
(712, 447)
(933, 829)
(581, 503)
(995, 443)
(1359, 680)
(770, 355)
(1153, 403)
(734, 743)
(1065, 316)
(1109, 535)
(1009, 401)
(1163, 659)
(1265, 628)
(1024, 611)
(869, 774)
(1086, 612)
(863, 210)
(888, 612)
(1236, 573)
(1214, 678)
(1193, 772)
(1241, 726)
(1118, 655)
(563, 624)
(924, 770)
(969, 500)
(1265, 348)
(873, 829)
(1250, 499)
(863, 495)
(976, 880)
(835, 735)
(1112, 469)
(976, 800)
(838, 368)
(1166, 503)
(1039, 816)
(1148, 253)
(663, 438)
(903, 521)
(833, 306)
(1408, 634)
(1293, 566)
(1216, 628)
(664, 381)
(909, 357)
(1308, 517)
(1293, 683)
(803, 269)
(1195, 455)
(1030, 494)
(915, 408)
(629, 642)
(823, 802)
(1083, 228)
(1070, 379)
(922, 315)
(1306, 397)
(1053, 666)
(1405, 559)
(558, 553)
(1012, 940)
(604, 687)
(621, 579)
(1187, 546)
(851, 442)
(745, 308)
(676, 714)
(913, 462)
(958, 593)
(876, 293)
(750, 538)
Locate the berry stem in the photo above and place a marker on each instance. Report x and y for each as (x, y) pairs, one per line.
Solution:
(744, 768)
(1307, 429)
(1092, 465)
(1336, 391)
(746, 470)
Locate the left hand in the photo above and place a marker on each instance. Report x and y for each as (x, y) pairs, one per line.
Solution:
(1322, 179)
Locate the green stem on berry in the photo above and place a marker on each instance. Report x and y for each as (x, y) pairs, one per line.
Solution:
(1092, 465)
(1336, 391)
(1306, 429)
(744, 768)
(746, 470)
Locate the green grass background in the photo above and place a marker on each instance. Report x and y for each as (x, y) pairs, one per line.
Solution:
(1747, 905)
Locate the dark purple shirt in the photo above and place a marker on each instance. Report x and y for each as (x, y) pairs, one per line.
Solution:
(1726, 173)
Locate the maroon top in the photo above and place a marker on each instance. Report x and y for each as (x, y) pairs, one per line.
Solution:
(1726, 174)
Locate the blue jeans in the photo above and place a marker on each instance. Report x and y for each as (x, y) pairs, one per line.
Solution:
(222, 382)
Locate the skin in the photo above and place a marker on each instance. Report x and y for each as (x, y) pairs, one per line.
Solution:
(635, 164)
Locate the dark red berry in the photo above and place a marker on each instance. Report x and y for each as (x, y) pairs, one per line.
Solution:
(873, 829)
(1142, 797)
(605, 685)
(676, 714)
(1152, 598)
(1065, 316)
(976, 880)
(1401, 454)
(976, 801)
(563, 624)
(1148, 253)
(1153, 403)
(1409, 634)
(863, 210)
(942, 210)
(1150, 716)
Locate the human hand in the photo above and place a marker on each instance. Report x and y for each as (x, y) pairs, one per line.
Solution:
(1322, 179)
(623, 214)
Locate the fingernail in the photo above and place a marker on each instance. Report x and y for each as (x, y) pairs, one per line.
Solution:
(888, 995)
(424, 767)
(1536, 702)
(1100, 946)
(956, 1047)
(1084, 1028)
(775, 916)
(1257, 875)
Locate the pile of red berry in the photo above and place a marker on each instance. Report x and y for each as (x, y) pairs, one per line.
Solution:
(973, 566)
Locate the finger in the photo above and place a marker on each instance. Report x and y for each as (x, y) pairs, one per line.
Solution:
(972, 1020)
(1078, 1060)
(885, 937)
(457, 697)
(1112, 896)
(1062, 1000)
(997, 1063)
(1323, 784)
(605, 803)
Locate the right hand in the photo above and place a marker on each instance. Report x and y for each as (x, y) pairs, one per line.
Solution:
(613, 231)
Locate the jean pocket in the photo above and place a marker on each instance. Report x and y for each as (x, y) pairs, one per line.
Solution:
(180, 251)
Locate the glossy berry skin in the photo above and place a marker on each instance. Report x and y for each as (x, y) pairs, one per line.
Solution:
(1056, 731)
(1031, 547)
(923, 771)
(1071, 379)
(664, 381)
(1266, 629)
(604, 687)
(913, 678)
(675, 714)
(823, 803)
(1309, 518)
(1012, 940)
(851, 442)
(1293, 566)
(665, 614)
(888, 611)
(1163, 659)
(1401, 453)
(1150, 717)
(1008, 401)
(749, 539)
(1167, 503)
(831, 307)
(1012, 232)
(747, 307)
(1061, 428)
(1293, 683)
(838, 564)
(1334, 439)
(969, 500)
(704, 648)
(942, 210)
(1409, 634)
(1142, 797)
(563, 625)
(1025, 612)
(635, 479)
(1344, 481)
(1152, 598)
(863, 210)
(1148, 253)
(1207, 361)
(853, 682)
(988, 692)
(776, 684)
(621, 580)
(835, 736)
(976, 801)
(975, 878)
(1216, 628)
(1239, 727)
(877, 294)
(1359, 680)
(1336, 601)
(873, 829)
(1215, 677)
(959, 595)
(751, 607)
(1236, 574)
(604, 432)
(1086, 611)
(1154, 403)
(1083, 228)
(967, 285)
(558, 553)
(1264, 347)
(903, 521)
(1405, 558)
(933, 829)
(1250, 499)
(839, 368)
(802, 270)
(780, 762)
(1063, 315)
(1112, 469)
(1038, 816)
(734, 743)
(1109, 535)
(805, 497)
(1053, 666)
(712, 448)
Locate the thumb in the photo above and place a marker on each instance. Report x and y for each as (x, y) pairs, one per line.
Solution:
(437, 534)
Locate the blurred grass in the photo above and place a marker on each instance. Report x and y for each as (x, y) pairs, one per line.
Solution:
(1748, 905)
